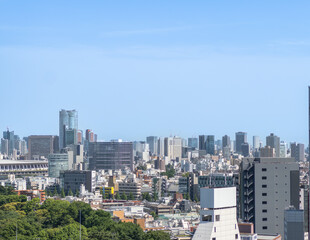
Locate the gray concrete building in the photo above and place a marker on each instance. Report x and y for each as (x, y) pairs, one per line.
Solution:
(241, 137)
(274, 142)
(298, 151)
(268, 186)
(59, 162)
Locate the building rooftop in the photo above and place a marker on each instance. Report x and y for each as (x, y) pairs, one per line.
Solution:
(5, 161)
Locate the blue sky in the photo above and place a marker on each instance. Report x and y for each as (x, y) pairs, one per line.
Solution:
(139, 68)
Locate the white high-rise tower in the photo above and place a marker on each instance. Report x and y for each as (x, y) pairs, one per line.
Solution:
(218, 215)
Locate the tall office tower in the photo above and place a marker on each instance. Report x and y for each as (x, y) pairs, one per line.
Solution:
(68, 119)
(173, 147)
(226, 141)
(241, 137)
(210, 144)
(59, 162)
(161, 147)
(89, 135)
(298, 151)
(202, 142)
(153, 143)
(110, 155)
(267, 152)
(294, 224)
(283, 149)
(41, 146)
(11, 141)
(256, 142)
(218, 214)
(4, 146)
(268, 186)
(193, 142)
(245, 149)
(274, 142)
(233, 145)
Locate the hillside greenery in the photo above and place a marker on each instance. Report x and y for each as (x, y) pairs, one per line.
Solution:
(57, 219)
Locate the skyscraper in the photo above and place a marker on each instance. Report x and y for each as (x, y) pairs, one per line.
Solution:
(11, 141)
(68, 119)
(202, 142)
(193, 142)
(256, 141)
(298, 151)
(274, 142)
(226, 141)
(210, 144)
(153, 143)
(241, 137)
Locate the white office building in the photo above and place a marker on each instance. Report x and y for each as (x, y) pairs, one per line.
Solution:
(218, 215)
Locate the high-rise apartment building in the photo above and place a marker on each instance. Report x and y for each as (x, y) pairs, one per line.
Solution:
(192, 142)
(68, 119)
(241, 137)
(267, 152)
(110, 155)
(153, 143)
(274, 142)
(173, 147)
(268, 186)
(226, 141)
(210, 145)
(42, 146)
(298, 151)
(202, 142)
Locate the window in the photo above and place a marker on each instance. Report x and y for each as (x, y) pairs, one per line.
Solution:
(264, 219)
(264, 186)
(207, 218)
(217, 218)
(214, 229)
(264, 210)
(264, 177)
(265, 227)
(264, 169)
(264, 202)
(236, 236)
(213, 238)
(264, 194)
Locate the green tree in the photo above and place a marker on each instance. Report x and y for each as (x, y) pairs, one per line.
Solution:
(77, 193)
(154, 215)
(62, 193)
(124, 196)
(131, 197)
(70, 193)
(117, 196)
(55, 193)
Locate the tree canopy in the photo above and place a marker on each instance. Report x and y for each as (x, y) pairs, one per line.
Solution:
(58, 219)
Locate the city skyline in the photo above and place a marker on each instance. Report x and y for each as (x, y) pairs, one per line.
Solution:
(231, 72)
